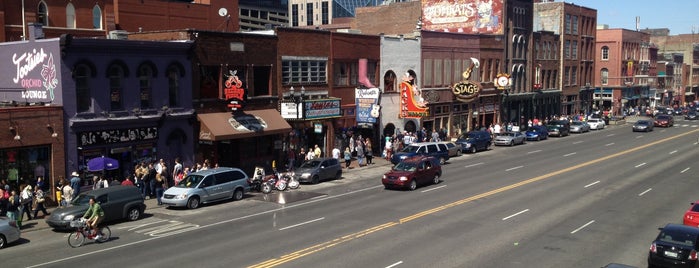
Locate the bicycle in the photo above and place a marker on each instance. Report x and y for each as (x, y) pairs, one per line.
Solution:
(77, 238)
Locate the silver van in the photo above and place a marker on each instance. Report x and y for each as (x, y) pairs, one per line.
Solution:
(207, 186)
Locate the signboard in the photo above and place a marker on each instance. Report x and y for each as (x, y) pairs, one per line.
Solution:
(367, 100)
(117, 135)
(234, 91)
(34, 73)
(466, 91)
(291, 110)
(318, 109)
(412, 104)
(463, 16)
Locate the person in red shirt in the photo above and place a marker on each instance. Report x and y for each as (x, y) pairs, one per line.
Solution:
(127, 181)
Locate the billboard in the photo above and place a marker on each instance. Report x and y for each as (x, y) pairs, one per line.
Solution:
(463, 16)
(367, 101)
(33, 72)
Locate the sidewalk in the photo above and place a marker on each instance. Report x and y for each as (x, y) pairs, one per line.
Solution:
(39, 223)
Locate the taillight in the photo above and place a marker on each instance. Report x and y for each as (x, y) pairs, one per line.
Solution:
(653, 248)
(692, 255)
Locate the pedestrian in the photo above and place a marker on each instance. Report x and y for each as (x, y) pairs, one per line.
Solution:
(151, 180)
(369, 151)
(40, 198)
(291, 157)
(311, 154)
(360, 153)
(142, 172)
(348, 157)
(388, 148)
(66, 193)
(13, 208)
(127, 182)
(317, 152)
(159, 187)
(301, 157)
(4, 203)
(177, 171)
(336, 153)
(75, 183)
(25, 199)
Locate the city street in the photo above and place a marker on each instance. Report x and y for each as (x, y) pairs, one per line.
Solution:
(585, 200)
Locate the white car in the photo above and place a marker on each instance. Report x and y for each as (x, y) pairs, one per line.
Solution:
(595, 123)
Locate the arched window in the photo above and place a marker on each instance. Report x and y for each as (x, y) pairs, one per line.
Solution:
(145, 76)
(97, 17)
(390, 82)
(70, 16)
(82, 74)
(115, 74)
(173, 80)
(605, 53)
(42, 13)
(604, 76)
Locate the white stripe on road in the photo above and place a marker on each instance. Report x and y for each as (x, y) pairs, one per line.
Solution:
(581, 227)
(473, 165)
(513, 168)
(534, 152)
(609, 144)
(577, 142)
(640, 165)
(299, 224)
(644, 192)
(591, 184)
(673, 152)
(684, 170)
(638, 137)
(435, 188)
(569, 154)
(610, 135)
(505, 218)
(394, 265)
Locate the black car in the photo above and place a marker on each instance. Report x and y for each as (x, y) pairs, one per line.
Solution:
(472, 141)
(118, 202)
(691, 115)
(675, 246)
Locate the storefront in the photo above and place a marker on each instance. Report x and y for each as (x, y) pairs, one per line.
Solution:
(313, 123)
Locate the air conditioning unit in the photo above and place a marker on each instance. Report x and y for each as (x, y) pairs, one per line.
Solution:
(118, 34)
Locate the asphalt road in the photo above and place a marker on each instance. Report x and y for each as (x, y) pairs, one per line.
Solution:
(579, 201)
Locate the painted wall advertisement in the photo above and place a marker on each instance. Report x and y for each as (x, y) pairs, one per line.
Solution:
(35, 72)
(319, 109)
(367, 100)
(463, 16)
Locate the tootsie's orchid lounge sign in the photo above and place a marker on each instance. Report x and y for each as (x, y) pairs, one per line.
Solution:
(32, 72)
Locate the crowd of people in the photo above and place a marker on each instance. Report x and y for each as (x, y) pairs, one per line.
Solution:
(27, 198)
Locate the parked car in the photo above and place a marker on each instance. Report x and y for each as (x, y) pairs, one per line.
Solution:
(691, 115)
(579, 127)
(437, 149)
(558, 128)
(319, 169)
(118, 202)
(411, 172)
(537, 133)
(207, 186)
(675, 246)
(473, 141)
(9, 231)
(510, 138)
(596, 123)
(454, 150)
(691, 216)
(643, 125)
(663, 120)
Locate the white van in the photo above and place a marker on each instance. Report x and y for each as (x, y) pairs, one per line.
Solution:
(207, 186)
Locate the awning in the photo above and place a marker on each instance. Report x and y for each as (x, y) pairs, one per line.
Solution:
(225, 126)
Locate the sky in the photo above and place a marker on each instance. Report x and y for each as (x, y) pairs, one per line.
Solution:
(680, 16)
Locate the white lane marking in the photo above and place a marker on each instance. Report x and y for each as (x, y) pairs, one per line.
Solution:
(534, 152)
(394, 265)
(476, 164)
(513, 168)
(581, 227)
(684, 170)
(646, 191)
(505, 218)
(609, 144)
(435, 188)
(299, 224)
(673, 152)
(569, 154)
(641, 164)
(638, 137)
(577, 142)
(591, 184)
(610, 135)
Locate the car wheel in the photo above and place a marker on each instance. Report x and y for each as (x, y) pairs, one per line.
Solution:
(413, 185)
(458, 153)
(473, 149)
(338, 175)
(435, 180)
(442, 161)
(193, 203)
(238, 194)
(315, 179)
(538, 138)
(3, 241)
(512, 143)
(133, 214)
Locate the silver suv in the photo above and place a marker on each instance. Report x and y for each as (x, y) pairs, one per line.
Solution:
(319, 169)
(207, 186)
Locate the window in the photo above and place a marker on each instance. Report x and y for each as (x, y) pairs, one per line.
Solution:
(306, 70)
(605, 53)
(604, 75)
(70, 16)
(567, 24)
(145, 75)
(438, 72)
(309, 14)
(566, 53)
(116, 78)
(96, 17)
(427, 72)
(173, 81)
(575, 25)
(294, 15)
(325, 13)
(82, 74)
(566, 76)
(574, 52)
(574, 76)
(42, 14)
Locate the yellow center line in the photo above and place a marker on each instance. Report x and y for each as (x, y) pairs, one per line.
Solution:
(337, 241)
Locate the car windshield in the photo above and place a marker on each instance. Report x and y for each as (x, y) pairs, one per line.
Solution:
(410, 149)
(191, 181)
(468, 136)
(81, 200)
(677, 237)
(643, 123)
(405, 166)
(507, 134)
(577, 123)
(535, 129)
(310, 164)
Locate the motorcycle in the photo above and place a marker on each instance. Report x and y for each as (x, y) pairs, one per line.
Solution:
(261, 182)
(291, 180)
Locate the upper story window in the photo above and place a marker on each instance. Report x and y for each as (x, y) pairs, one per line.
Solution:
(575, 25)
(304, 70)
(567, 24)
(70, 16)
(116, 76)
(82, 74)
(390, 82)
(173, 80)
(145, 77)
(42, 13)
(604, 76)
(294, 15)
(309, 14)
(96, 17)
(605, 53)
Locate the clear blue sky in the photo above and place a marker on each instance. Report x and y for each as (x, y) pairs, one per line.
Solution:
(677, 15)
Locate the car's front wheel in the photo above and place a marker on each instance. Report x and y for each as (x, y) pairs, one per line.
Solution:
(473, 149)
(413, 185)
(3, 241)
(442, 160)
(193, 203)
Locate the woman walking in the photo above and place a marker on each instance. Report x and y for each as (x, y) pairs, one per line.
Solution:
(39, 198)
(348, 157)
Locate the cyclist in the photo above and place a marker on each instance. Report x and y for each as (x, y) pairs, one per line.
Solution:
(94, 216)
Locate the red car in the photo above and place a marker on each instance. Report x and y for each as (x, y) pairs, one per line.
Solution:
(691, 216)
(411, 172)
(664, 120)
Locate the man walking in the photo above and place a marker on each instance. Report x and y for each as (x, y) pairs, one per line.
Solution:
(75, 183)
